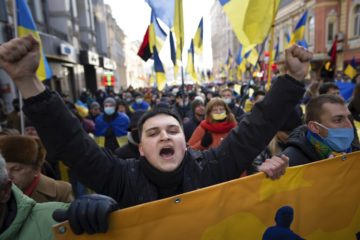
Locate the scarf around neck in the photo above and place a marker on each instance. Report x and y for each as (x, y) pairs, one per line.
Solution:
(218, 127)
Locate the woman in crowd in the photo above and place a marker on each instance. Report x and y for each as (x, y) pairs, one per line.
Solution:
(217, 124)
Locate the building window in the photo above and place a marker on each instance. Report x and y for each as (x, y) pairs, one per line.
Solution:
(311, 31)
(330, 35)
(357, 20)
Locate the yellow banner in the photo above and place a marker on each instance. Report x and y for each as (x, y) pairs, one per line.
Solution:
(324, 196)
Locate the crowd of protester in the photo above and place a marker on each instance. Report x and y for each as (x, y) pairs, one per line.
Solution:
(319, 124)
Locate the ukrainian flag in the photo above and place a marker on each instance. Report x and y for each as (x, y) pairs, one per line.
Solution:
(26, 26)
(350, 69)
(179, 28)
(252, 56)
(159, 71)
(157, 35)
(190, 67)
(299, 31)
(164, 10)
(250, 20)
(198, 38)
(173, 55)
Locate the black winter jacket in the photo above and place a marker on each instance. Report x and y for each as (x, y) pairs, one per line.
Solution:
(299, 149)
(128, 181)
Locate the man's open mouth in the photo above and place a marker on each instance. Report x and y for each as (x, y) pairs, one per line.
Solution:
(167, 152)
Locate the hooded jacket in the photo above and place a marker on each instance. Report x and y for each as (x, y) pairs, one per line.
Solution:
(135, 181)
(33, 220)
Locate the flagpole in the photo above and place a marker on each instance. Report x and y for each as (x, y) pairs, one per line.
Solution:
(21, 103)
(267, 87)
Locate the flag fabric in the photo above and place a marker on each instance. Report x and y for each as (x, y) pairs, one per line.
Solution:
(159, 71)
(252, 56)
(157, 35)
(303, 43)
(229, 60)
(26, 26)
(164, 10)
(179, 28)
(299, 31)
(346, 89)
(173, 55)
(198, 38)
(287, 37)
(350, 69)
(144, 50)
(190, 67)
(323, 196)
(250, 19)
(239, 56)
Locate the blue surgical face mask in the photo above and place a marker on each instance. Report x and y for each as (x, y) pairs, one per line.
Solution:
(109, 110)
(338, 139)
(139, 100)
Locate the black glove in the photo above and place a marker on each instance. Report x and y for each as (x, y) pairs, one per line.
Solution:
(88, 213)
(206, 139)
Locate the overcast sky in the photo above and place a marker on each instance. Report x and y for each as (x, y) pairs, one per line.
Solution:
(134, 16)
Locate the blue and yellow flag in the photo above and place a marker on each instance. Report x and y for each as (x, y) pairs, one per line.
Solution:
(252, 56)
(173, 55)
(299, 31)
(317, 201)
(164, 10)
(190, 67)
(350, 69)
(179, 28)
(159, 71)
(198, 38)
(26, 26)
(250, 19)
(157, 35)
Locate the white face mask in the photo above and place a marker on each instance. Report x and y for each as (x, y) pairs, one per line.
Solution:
(227, 100)
(139, 100)
(109, 110)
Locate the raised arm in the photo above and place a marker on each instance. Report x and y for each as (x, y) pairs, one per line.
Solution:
(59, 130)
(255, 131)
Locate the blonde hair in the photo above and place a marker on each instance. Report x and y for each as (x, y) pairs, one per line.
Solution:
(218, 102)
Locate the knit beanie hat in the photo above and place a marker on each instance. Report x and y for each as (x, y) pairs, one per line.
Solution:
(23, 149)
(94, 105)
(110, 100)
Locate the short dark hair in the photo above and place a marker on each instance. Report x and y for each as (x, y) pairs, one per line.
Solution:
(314, 107)
(258, 93)
(325, 87)
(154, 112)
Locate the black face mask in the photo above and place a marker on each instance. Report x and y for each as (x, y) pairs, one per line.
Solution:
(135, 135)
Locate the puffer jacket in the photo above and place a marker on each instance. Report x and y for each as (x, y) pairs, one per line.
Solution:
(33, 220)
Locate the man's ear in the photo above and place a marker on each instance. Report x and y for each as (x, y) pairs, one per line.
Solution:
(5, 192)
(313, 127)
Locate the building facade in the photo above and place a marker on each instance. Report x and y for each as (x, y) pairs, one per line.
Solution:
(326, 20)
(79, 43)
